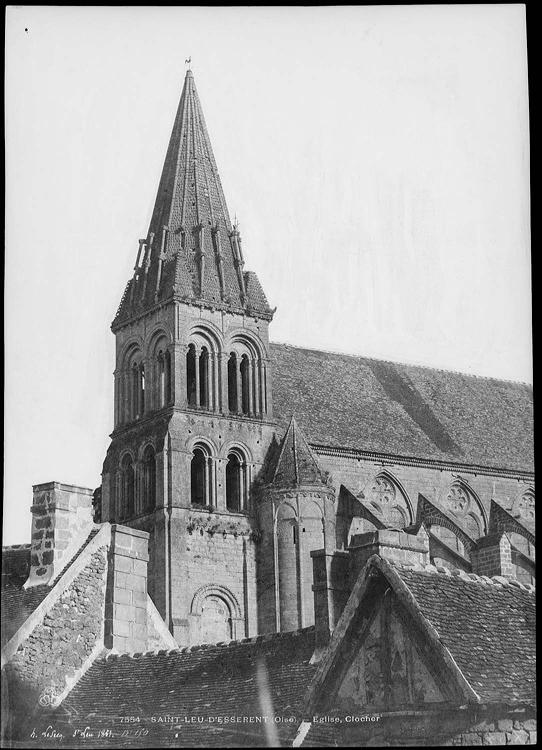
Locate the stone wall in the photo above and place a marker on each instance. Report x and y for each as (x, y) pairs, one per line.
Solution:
(358, 474)
(212, 555)
(498, 725)
(58, 647)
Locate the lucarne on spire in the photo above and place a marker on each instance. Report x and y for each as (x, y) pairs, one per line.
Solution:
(191, 252)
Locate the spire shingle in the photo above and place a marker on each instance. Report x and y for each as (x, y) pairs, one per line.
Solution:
(192, 252)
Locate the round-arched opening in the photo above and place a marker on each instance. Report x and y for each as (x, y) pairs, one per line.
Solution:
(234, 481)
(199, 478)
(191, 375)
(127, 488)
(245, 387)
(232, 383)
(149, 479)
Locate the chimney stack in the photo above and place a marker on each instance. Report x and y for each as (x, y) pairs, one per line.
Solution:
(61, 522)
(394, 545)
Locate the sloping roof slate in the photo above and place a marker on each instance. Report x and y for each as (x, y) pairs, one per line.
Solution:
(296, 464)
(366, 404)
(488, 628)
(199, 682)
(190, 222)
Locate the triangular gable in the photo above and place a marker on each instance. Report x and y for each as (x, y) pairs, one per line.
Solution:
(501, 520)
(380, 596)
(359, 509)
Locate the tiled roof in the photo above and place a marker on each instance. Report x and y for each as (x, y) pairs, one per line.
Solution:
(296, 464)
(358, 403)
(198, 256)
(488, 625)
(218, 681)
(19, 603)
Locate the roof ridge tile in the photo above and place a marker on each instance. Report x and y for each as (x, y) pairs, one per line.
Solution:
(497, 581)
(395, 362)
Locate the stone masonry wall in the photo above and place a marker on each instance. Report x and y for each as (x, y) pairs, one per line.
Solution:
(358, 474)
(58, 647)
(208, 555)
(498, 726)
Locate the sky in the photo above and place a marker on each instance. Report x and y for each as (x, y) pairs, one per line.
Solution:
(376, 158)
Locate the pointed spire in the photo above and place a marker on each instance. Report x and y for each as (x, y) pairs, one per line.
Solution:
(296, 463)
(196, 255)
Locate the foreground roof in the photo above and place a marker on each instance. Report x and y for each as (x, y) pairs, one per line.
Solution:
(345, 401)
(209, 683)
(488, 625)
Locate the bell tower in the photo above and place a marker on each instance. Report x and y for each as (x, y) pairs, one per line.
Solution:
(193, 403)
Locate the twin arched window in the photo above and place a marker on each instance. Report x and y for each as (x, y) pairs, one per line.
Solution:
(243, 372)
(137, 484)
(243, 389)
(203, 479)
(143, 385)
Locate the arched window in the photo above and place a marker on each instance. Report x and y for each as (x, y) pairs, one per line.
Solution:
(462, 504)
(164, 379)
(141, 409)
(388, 502)
(201, 477)
(127, 488)
(167, 378)
(245, 386)
(524, 507)
(149, 479)
(247, 375)
(232, 383)
(191, 375)
(161, 380)
(233, 483)
(216, 621)
(204, 378)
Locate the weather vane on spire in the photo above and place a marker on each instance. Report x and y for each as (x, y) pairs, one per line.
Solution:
(187, 62)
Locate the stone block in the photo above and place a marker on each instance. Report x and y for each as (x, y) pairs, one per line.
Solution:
(120, 580)
(121, 627)
(139, 599)
(471, 739)
(505, 725)
(138, 631)
(519, 737)
(123, 564)
(494, 738)
(532, 737)
(140, 615)
(530, 724)
(139, 567)
(135, 645)
(123, 596)
(123, 612)
(120, 643)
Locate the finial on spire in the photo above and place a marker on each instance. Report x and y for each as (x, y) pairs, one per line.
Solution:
(187, 62)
